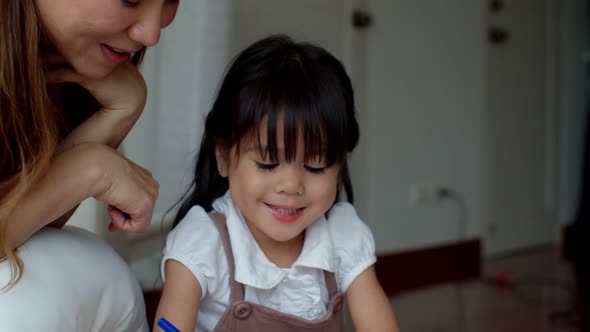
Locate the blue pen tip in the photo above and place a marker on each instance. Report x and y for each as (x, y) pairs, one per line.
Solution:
(166, 325)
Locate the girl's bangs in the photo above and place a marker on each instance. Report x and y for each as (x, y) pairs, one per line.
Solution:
(309, 108)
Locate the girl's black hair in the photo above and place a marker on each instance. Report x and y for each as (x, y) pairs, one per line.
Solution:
(274, 78)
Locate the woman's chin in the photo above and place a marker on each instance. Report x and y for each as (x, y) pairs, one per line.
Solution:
(94, 72)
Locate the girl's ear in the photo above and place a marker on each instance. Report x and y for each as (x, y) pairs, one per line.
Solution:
(220, 158)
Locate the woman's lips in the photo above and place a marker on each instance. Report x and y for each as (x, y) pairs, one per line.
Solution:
(113, 54)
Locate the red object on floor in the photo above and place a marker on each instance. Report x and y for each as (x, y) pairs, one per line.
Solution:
(502, 279)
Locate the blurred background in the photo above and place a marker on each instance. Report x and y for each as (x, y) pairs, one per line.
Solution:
(471, 166)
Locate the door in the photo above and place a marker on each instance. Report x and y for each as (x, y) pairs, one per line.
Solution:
(421, 117)
(520, 125)
(325, 22)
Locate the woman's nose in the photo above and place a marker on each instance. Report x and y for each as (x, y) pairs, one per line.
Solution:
(151, 22)
(146, 34)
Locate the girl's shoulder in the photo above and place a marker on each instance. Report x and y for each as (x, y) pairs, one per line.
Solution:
(195, 217)
(196, 243)
(193, 234)
(352, 243)
(344, 222)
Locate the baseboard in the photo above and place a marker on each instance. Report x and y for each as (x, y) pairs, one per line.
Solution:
(404, 271)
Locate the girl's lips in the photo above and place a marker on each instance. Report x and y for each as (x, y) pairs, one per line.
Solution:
(284, 214)
(113, 55)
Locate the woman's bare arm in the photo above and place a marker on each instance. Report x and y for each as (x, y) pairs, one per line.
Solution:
(122, 95)
(86, 170)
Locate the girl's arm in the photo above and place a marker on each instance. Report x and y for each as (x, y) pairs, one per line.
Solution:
(180, 299)
(86, 170)
(369, 306)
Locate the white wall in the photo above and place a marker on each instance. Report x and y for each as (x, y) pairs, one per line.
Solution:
(574, 102)
(182, 72)
(325, 22)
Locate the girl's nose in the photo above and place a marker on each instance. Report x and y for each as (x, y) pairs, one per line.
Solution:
(290, 181)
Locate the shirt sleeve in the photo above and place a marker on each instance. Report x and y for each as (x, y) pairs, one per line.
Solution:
(353, 243)
(195, 242)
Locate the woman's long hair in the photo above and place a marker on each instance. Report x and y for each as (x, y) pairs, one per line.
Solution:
(28, 131)
(30, 127)
(277, 81)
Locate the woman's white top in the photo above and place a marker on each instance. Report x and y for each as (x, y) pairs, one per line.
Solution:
(72, 281)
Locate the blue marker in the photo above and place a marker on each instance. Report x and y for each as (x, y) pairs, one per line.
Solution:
(166, 325)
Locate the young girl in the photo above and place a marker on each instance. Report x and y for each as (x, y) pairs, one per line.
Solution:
(261, 240)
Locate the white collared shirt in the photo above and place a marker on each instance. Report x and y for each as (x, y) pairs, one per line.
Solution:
(342, 244)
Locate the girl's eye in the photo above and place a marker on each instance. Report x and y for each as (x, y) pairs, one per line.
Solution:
(130, 3)
(265, 167)
(315, 170)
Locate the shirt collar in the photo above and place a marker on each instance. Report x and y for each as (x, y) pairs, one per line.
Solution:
(318, 249)
(253, 268)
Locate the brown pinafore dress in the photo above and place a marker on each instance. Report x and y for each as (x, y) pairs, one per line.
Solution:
(246, 316)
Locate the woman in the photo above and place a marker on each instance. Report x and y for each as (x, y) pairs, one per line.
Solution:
(69, 94)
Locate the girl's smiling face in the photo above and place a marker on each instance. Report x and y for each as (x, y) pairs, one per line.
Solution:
(94, 36)
(278, 199)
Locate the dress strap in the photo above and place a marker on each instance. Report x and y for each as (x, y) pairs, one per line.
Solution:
(331, 284)
(237, 289)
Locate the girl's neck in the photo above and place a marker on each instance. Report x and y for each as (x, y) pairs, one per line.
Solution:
(282, 254)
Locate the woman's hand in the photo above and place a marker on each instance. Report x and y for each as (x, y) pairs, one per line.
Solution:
(128, 189)
(123, 90)
(122, 95)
